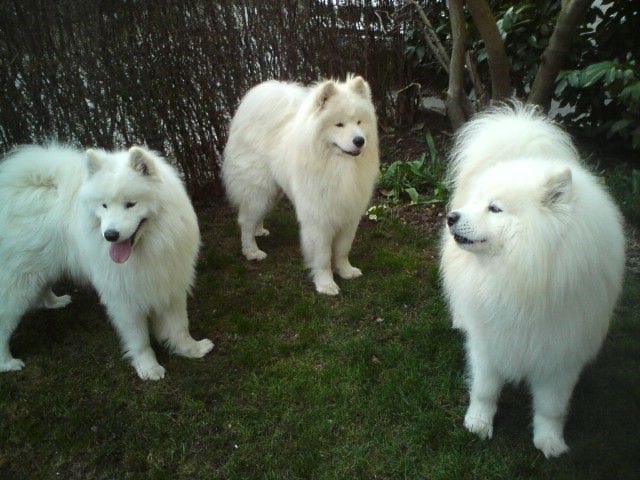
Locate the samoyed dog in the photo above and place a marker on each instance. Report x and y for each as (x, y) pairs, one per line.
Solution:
(318, 145)
(121, 221)
(532, 264)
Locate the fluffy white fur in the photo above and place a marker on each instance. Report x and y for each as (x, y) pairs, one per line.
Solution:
(532, 264)
(303, 141)
(57, 203)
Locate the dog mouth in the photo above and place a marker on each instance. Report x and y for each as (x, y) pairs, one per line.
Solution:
(352, 153)
(465, 240)
(121, 251)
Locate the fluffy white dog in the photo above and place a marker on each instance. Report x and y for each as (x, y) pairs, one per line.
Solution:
(532, 265)
(320, 146)
(121, 221)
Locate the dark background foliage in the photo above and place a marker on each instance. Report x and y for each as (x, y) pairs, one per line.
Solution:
(599, 91)
(169, 74)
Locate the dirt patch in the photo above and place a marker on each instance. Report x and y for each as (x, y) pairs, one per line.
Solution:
(426, 219)
(410, 142)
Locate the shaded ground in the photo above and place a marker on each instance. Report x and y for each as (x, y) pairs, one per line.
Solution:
(367, 385)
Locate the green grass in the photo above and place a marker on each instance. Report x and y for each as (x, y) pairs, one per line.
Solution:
(367, 385)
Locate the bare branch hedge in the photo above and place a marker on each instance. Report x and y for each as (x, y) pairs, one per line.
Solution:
(170, 73)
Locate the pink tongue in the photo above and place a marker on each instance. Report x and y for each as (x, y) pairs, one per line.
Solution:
(119, 252)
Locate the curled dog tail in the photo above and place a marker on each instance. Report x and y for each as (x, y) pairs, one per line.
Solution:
(506, 131)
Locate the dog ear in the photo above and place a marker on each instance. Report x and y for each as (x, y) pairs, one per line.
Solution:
(557, 188)
(360, 86)
(141, 161)
(94, 162)
(324, 92)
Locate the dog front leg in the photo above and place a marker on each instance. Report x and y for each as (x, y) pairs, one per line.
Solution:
(133, 329)
(316, 247)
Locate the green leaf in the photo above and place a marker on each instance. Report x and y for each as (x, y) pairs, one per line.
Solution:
(631, 93)
(628, 75)
(523, 8)
(507, 20)
(620, 124)
(573, 78)
(413, 194)
(432, 147)
(562, 84)
(611, 76)
(593, 73)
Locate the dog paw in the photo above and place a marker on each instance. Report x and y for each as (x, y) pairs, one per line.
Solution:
(349, 273)
(262, 232)
(12, 365)
(150, 372)
(550, 445)
(58, 302)
(255, 255)
(328, 288)
(196, 349)
(478, 425)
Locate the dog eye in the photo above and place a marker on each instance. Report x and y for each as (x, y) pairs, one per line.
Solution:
(340, 125)
(104, 205)
(494, 209)
(358, 122)
(130, 204)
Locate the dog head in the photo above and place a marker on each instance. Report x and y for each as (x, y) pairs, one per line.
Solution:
(120, 193)
(519, 204)
(345, 116)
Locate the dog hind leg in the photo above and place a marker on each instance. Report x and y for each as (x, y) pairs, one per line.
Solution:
(52, 301)
(250, 214)
(15, 300)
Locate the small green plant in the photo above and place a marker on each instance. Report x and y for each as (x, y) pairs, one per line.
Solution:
(377, 212)
(420, 180)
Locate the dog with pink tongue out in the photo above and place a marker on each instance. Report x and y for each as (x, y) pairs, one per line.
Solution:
(121, 221)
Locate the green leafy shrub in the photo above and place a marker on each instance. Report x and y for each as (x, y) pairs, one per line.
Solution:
(603, 89)
(616, 84)
(420, 180)
(525, 28)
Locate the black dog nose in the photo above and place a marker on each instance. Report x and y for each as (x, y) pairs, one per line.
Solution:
(452, 218)
(112, 235)
(358, 141)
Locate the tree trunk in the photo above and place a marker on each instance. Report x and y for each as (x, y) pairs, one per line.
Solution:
(456, 96)
(430, 36)
(481, 93)
(554, 55)
(497, 57)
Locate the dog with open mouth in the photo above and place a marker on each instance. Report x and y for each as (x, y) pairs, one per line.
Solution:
(318, 145)
(532, 265)
(121, 221)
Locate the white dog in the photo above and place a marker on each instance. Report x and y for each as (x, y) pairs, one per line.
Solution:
(532, 265)
(320, 146)
(121, 221)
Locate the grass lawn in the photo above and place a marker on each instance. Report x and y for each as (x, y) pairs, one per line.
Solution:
(367, 385)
